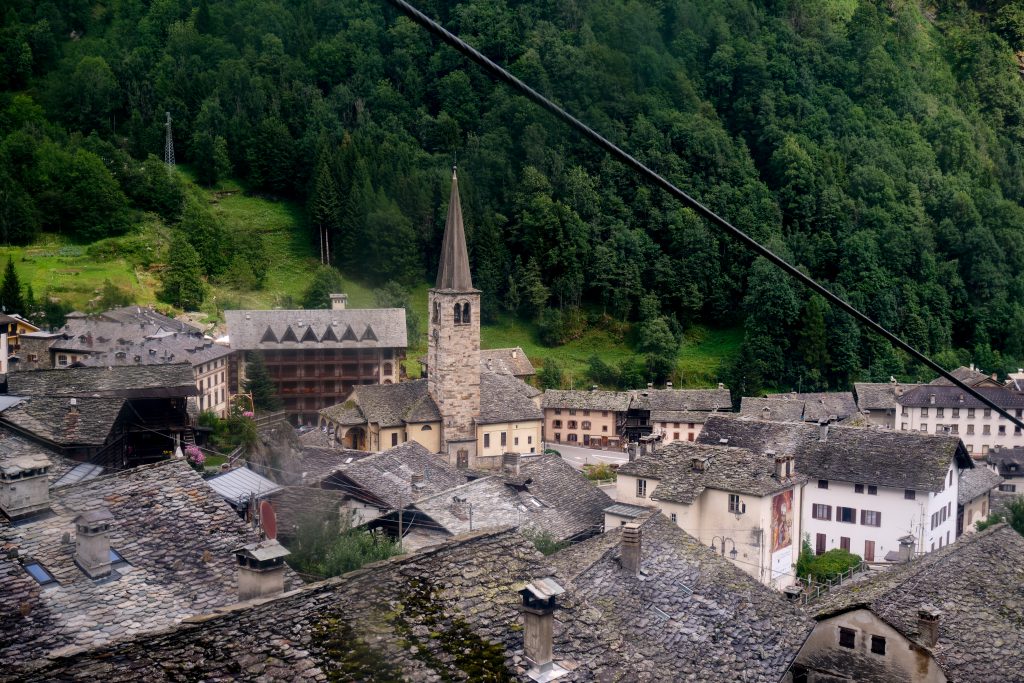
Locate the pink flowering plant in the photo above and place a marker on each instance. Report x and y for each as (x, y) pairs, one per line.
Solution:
(249, 414)
(195, 457)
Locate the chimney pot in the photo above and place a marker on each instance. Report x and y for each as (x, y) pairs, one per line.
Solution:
(417, 479)
(538, 628)
(631, 548)
(260, 569)
(906, 551)
(24, 486)
(721, 385)
(650, 385)
(668, 385)
(928, 618)
(92, 542)
(339, 302)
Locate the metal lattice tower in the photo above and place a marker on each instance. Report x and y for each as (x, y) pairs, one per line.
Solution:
(169, 144)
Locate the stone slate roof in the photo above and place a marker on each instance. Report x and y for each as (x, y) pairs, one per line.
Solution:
(120, 327)
(976, 482)
(494, 505)
(352, 328)
(451, 612)
(135, 316)
(968, 376)
(13, 447)
(822, 405)
(955, 397)
(294, 504)
(884, 457)
(55, 420)
(387, 477)
(511, 361)
(779, 408)
(504, 398)
(680, 416)
(617, 401)
(389, 405)
(880, 395)
(580, 504)
(173, 380)
(317, 464)
(732, 469)
(975, 582)
(690, 615)
(176, 535)
(173, 348)
(1006, 458)
(706, 400)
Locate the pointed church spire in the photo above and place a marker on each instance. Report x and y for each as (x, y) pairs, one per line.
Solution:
(453, 268)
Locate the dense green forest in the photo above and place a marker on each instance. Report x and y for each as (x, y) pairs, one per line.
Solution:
(877, 144)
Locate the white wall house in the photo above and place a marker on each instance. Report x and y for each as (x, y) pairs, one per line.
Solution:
(744, 504)
(867, 487)
(933, 409)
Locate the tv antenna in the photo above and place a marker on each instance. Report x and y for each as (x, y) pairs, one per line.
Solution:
(169, 144)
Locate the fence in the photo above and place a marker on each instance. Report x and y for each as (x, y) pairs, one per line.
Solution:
(815, 589)
(269, 419)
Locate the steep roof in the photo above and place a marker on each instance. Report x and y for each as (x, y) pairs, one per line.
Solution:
(505, 398)
(682, 399)
(317, 463)
(777, 408)
(690, 615)
(389, 405)
(172, 380)
(453, 268)
(586, 400)
(694, 416)
(387, 477)
(975, 582)
(13, 447)
(968, 376)
(176, 534)
(728, 468)
(1009, 461)
(579, 502)
(955, 397)
(976, 482)
(351, 328)
(880, 395)
(54, 419)
(822, 405)
(171, 348)
(512, 361)
(884, 457)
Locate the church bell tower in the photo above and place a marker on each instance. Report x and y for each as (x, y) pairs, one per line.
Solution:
(453, 355)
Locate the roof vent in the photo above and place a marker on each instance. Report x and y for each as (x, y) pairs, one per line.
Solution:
(723, 442)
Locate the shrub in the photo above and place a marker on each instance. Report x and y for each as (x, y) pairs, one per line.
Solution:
(600, 472)
(325, 544)
(828, 565)
(543, 540)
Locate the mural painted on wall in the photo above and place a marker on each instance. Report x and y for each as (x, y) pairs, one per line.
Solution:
(782, 520)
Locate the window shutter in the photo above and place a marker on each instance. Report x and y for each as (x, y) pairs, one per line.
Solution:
(862, 516)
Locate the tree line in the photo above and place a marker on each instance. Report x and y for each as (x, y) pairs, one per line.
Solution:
(876, 146)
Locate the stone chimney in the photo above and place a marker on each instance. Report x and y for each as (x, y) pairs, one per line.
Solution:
(928, 618)
(898, 390)
(721, 385)
(260, 569)
(24, 486)
(780, 464)
(631, 451)
(417, 480)
(92, 542)
(643, 448)
(339, 302)
(668, 385)
(906, 551)
(699, 463)
(823, 429)
(510, 463)
(629, 554)
(538, 628)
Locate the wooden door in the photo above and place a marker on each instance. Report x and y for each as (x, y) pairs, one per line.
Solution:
(844, 543)
(462, 459)
(820, 544)
(869, 551)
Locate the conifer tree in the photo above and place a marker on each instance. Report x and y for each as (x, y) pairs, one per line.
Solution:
(325, 209)
(10, 291)
(259, 384)
(183, 284)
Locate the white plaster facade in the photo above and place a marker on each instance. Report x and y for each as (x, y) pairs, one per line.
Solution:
(212, 382)
(929, 517)
(981, 429)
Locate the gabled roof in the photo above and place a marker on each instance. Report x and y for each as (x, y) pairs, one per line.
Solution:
(617, 401)
(351, 328)
(778, 408)
(511, 361)
(237, 486)
(880, 395)
(504, 398)
(14, 447)
(580, 504)
(816, 406)
(317, 463)
(955, 397)
(975, 583)
(176, 534)
(389, 405)
(690, 615)
(969, 376)
(682, 399)
(736, 470)
(386, 478)
(1009, 461)
(883, 457)
(453, 267)
(173, 380)
(976, 482)
(694, 416)
(55, 420)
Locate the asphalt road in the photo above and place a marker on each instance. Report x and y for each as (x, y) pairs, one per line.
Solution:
(578, 457)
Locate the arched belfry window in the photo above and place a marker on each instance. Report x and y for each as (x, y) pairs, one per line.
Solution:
(437, 312)
(458, 314)
(465, 313)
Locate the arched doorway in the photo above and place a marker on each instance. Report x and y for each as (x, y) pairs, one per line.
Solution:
(353, 438)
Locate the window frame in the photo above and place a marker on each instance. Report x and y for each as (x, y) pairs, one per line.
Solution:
(840, 515)
(847, 638)
(641, 488)
(878, 645)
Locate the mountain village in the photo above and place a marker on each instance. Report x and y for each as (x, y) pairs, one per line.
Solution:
(123, 560)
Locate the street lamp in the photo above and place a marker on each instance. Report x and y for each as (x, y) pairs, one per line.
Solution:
(723, 539)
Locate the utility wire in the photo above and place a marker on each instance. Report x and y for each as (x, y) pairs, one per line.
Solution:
(653, 178)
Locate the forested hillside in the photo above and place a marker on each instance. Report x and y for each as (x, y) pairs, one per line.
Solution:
(877, 144)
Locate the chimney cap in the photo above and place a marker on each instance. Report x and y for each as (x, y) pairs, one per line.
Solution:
(93, 517)
(262, 551)
(24, 466)
(929, 612)
(541, 589)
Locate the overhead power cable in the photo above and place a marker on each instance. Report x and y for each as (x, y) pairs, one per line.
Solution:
(501, 74)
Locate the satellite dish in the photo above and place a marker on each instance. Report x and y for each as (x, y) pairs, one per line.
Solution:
(268, 520)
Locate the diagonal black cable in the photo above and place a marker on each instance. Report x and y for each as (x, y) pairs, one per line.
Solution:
(499, 73)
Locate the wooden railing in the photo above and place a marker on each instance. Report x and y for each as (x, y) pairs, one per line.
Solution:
(267, 419)
(814, 589)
